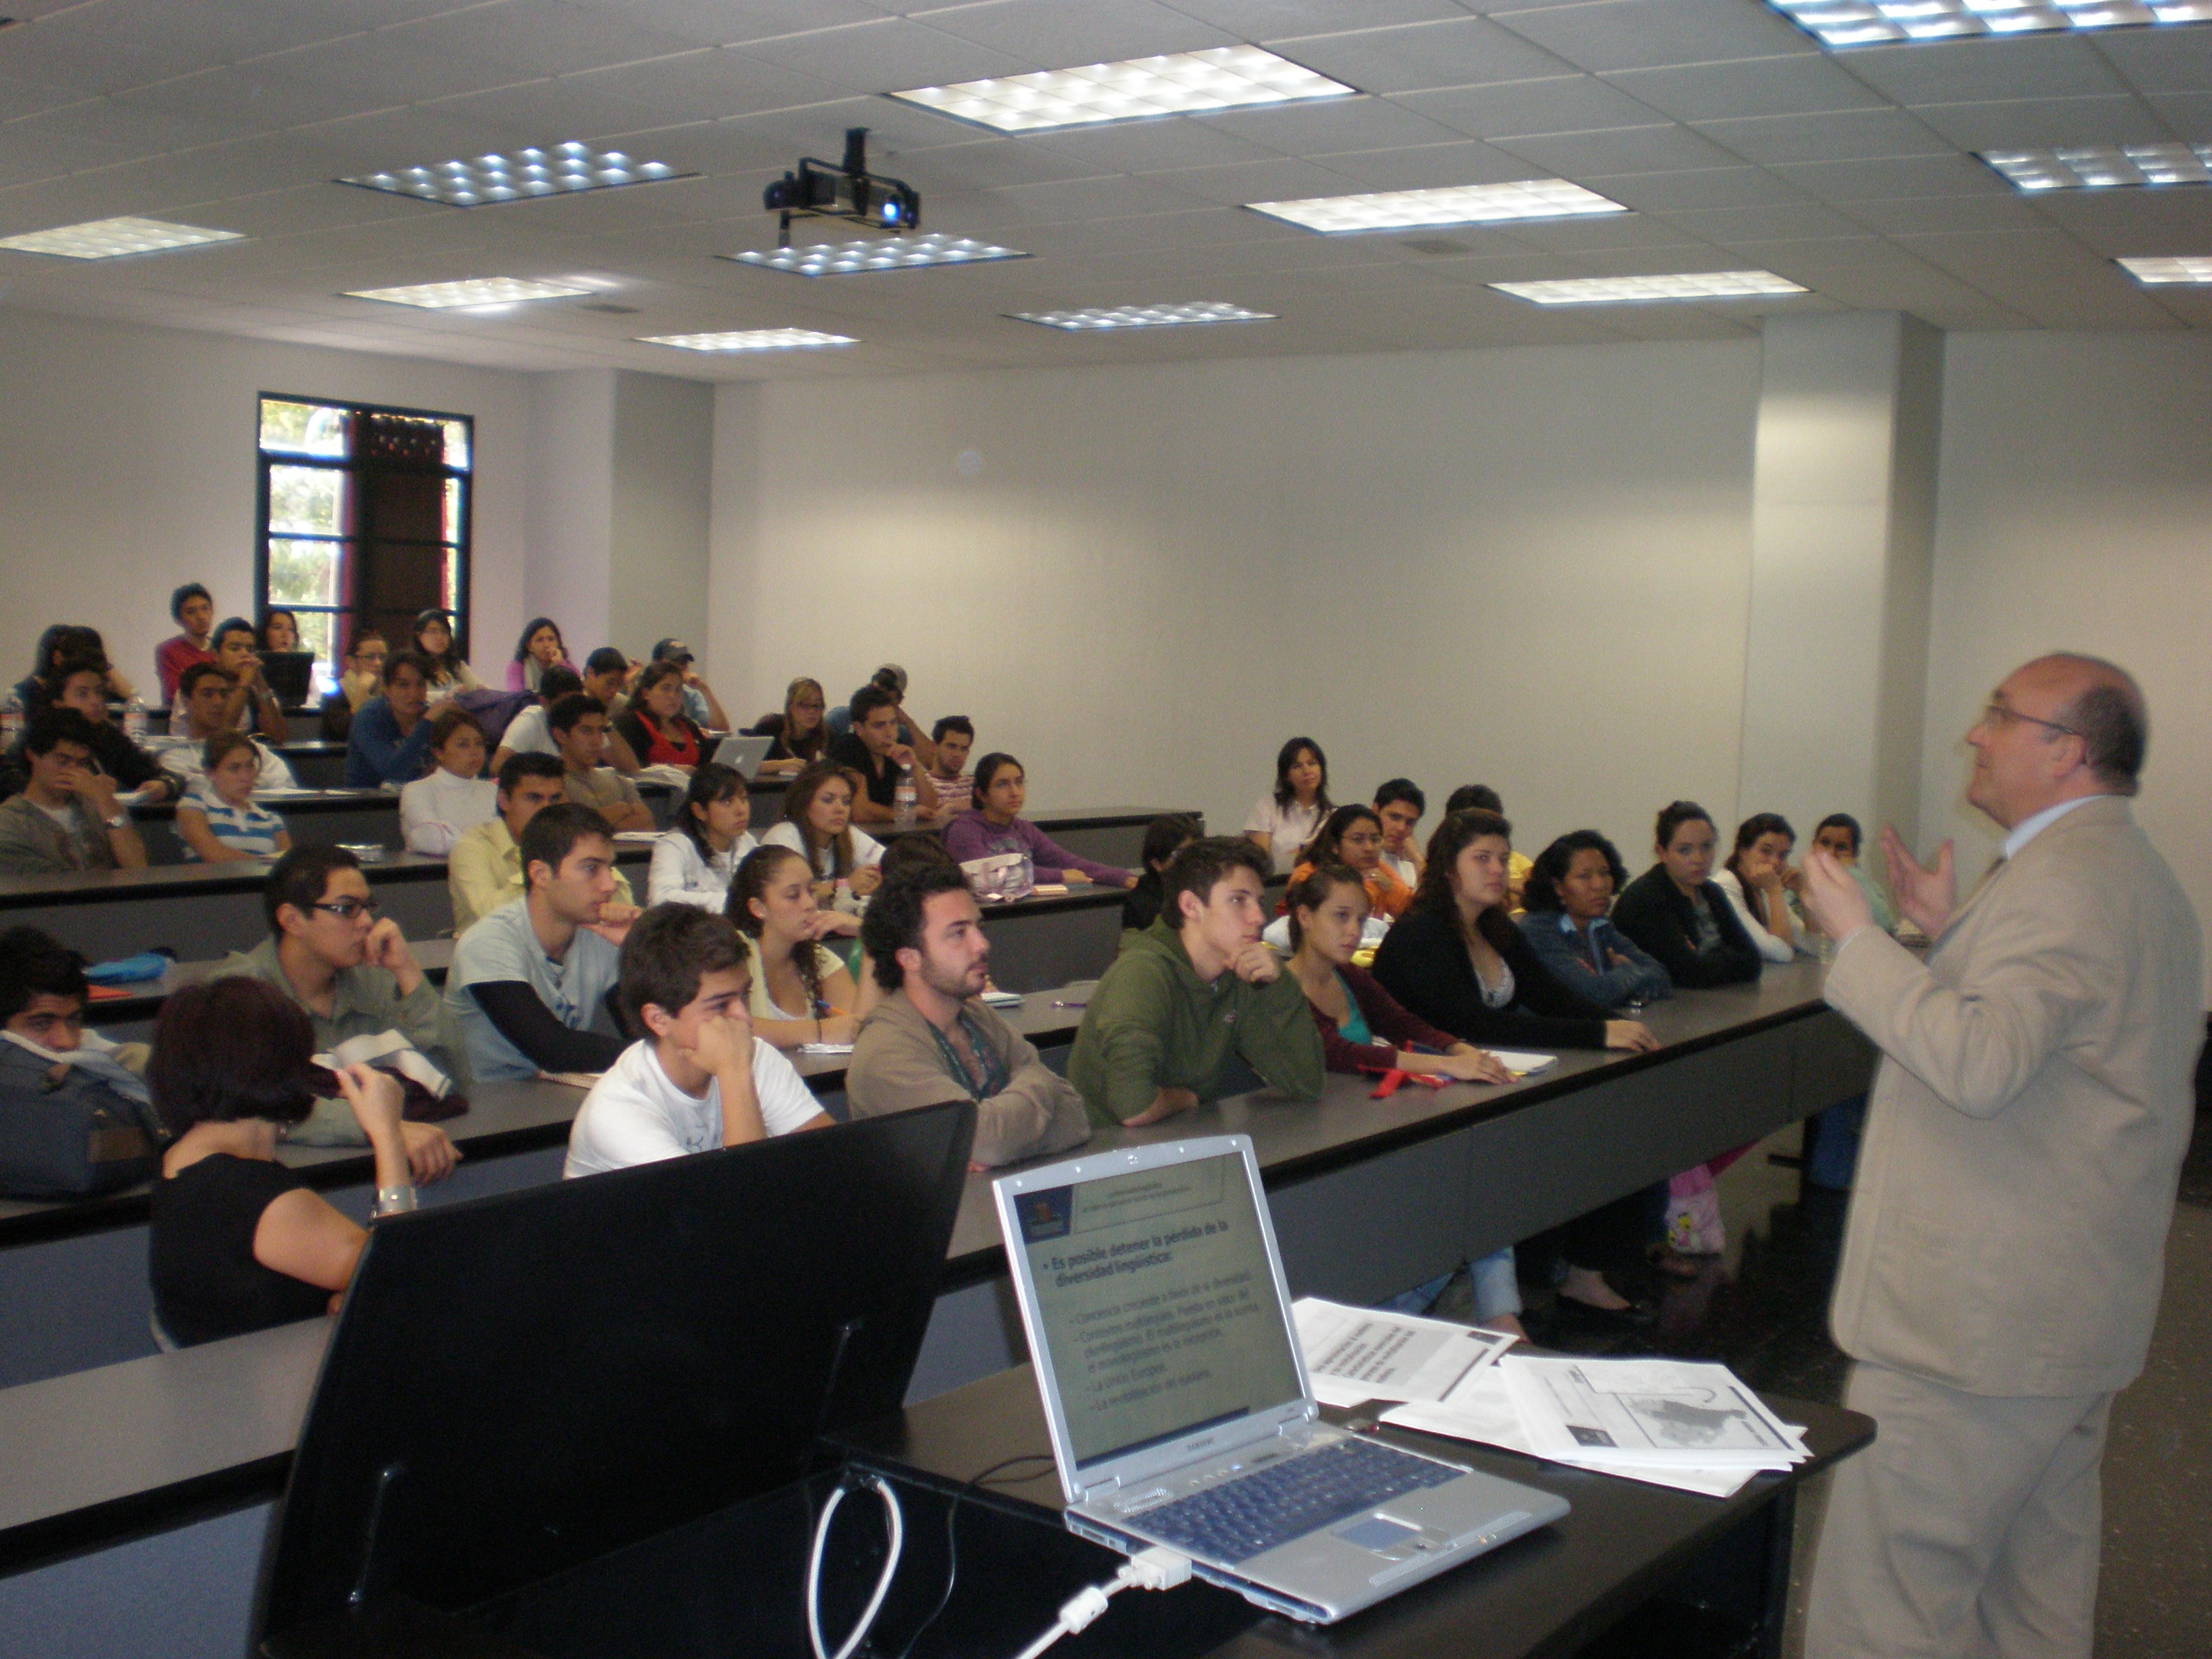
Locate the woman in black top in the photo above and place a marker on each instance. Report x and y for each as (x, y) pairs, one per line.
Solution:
(1675, 912)
(1456, 960)
(1165, 837)
(238, 1241)
(801, 737)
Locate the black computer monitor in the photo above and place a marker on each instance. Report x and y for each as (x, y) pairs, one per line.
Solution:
(519, 1383)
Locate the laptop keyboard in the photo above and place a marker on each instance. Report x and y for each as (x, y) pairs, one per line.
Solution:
(1256, 1512)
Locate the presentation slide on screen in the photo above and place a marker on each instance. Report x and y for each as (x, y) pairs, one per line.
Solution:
(1156, 1305)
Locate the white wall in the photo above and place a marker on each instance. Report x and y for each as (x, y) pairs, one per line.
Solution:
(2075, 512)
(1528, 568)
(127, 466)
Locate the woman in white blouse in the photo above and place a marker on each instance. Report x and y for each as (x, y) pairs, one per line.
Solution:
(1284, 820)
(817, 823)
(1757, 880)
(692, 864)
(437, 810)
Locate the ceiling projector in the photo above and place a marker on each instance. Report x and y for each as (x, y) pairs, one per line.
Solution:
(817, 190)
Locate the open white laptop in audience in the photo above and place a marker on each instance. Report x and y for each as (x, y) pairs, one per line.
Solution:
(1160, 1323)
(742, 752)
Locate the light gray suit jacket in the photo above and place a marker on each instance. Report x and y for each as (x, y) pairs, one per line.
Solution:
(2025, 1137)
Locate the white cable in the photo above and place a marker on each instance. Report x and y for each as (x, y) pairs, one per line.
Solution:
(883, 1585)
(1154, 1569)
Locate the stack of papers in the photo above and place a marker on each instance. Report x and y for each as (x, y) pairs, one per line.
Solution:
(1356, 1354)
(1672, 1423)
(1523, 1064)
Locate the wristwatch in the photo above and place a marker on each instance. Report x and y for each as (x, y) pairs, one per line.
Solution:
(395, 1200)
(121, 819)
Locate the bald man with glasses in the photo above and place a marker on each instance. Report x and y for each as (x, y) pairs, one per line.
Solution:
(2002, 1262)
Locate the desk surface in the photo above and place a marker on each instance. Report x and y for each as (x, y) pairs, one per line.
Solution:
(287, 802)
(504, 1117)
(44, 1492)
(1548, 1593)
(189, 880)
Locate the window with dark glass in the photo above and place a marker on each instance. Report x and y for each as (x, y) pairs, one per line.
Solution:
(364, 521)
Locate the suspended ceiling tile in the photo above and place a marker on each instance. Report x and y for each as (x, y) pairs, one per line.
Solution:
(1986, 71)
(889, 55)
(256, 96)
(706, 86)
(1572, 103)
(1625, 34)
(1415, 57)
(2044, 123)
(1702, 187)
(1583, 156)
(1765, 86)
(719, 23)
(1154, 146)
(1834, 135)
(2161, 59)
(1272, 21)
(1887, 180)
(1332, 125)
(1729, 226)
(1068, 33)
(1907, 215)
(1430, 166)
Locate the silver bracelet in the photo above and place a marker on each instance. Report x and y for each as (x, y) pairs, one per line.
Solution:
(395, 1200)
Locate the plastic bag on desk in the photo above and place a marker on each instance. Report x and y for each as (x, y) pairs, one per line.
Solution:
(1001, 877)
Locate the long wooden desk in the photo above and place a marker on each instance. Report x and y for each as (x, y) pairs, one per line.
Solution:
(1669, 1562)
(73, 1273)
(202, 910)
(329, 816)
(1368, 1198)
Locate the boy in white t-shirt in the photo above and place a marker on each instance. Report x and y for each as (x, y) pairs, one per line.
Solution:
(699, 1081)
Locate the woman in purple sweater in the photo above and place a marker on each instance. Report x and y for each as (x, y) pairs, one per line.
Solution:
(994, 825)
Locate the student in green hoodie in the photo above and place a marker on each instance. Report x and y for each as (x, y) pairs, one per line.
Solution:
(1191, 995)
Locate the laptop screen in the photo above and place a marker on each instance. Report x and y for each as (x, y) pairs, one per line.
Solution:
(1153, 1292)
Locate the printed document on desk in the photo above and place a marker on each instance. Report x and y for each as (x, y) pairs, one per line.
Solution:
(1354, 1354)
(1657, 1412)
(1481, 1410)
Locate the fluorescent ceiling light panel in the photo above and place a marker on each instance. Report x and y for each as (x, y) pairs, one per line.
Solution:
(1098, 317)
(476, 291)
(563, 170)
(1180, 83)
(109, 239)
(751, 339)
(1454, 204)
(1698, 285)
(2099, 167)
(2186, 269)
(884, 253)
(1886, 22)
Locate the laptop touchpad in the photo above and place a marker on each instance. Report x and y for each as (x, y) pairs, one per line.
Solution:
(1385, 1537)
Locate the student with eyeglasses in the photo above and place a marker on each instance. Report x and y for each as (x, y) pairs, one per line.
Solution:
(328, 952)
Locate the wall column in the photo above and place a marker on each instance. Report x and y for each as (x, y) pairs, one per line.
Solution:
(1842, 539)
(621, 468)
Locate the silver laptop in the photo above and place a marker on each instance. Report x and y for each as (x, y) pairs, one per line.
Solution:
(1160, 1324)
(743, 752)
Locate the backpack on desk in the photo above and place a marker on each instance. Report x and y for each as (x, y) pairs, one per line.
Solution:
(66, 1132)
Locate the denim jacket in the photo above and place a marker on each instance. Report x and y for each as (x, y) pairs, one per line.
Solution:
(1583, 960)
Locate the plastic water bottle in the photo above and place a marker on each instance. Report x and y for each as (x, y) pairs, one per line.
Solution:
(134, 719)
(903, 800)
(11, 721)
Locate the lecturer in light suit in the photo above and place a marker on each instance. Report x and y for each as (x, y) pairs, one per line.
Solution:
(2002, 1260)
